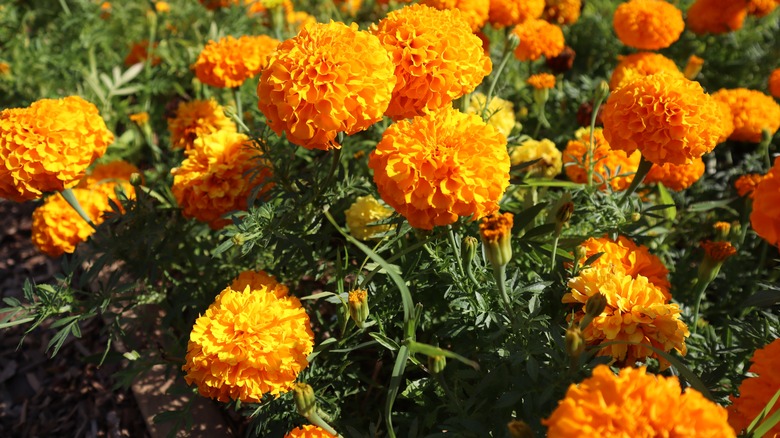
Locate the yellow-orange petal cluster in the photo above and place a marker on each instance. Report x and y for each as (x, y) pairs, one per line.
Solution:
(505, 13)
(215, 179)
(541, 81)
(309, 431)
(230, 61)
(195, 119)
(718, 251)
(648, 24)
(538, 38)
(500, 113)
(746, 184)
(676, 177)
(48, 146)
(330, 78)
(668, 118)
(765, 217)
(364, 211)
(475, 12)
(635, 404)
(58, 229)
(761, 8)
(612, 167)
(441, 166)
(437, 58)
(249, 342)
(113, 171)
(774, 83)
(727, 120)
(716, 16)
(259, 280)
(640, 64)
(139, 52)
(637, 312)
(550, 158)
(562, 12)
(755, 392)
(752, 111)
(496, 227)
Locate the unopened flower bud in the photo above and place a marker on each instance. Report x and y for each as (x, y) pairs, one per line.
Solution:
(540, 96)
(520, 429)
(512, 42)
(563, 215)
(305, 402)
(582, 253)
(496, 232)
(136, 179)
(693, 67)
(715, 253)
(593, 307)
(238, 239)
(436, 364)
(635, 216)
(602, 91)
(575, 343)
(358, 306)
(722, 230)
(468, 249)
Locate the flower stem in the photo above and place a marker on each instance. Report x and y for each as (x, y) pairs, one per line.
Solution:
(455, 249)
(504, 60)
(500, 275)
(699, 289)
(239, 109)
(554, 250)
(591, 144)
(316, 420)
(71, 199)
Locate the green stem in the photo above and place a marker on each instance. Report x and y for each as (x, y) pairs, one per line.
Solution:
(455, 249)
(591, 144)
(641, 173)
(492, 88)
(239, 109)
(500, 275)
(316, 420)
(65, 7)
(71, 199)
(700, 288)
(554, 251)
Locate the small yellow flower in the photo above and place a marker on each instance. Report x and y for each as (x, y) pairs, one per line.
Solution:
(500, 113)
(693, 67)
(550, 158)
(364, 211)
(140, 119)
(4, 68)
(162, 7)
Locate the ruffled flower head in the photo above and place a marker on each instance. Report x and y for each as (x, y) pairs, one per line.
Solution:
(437, 58)
(248, 343)
(668, 118)
(635, 404)
(562, 12)
(541, 81)
(752, 112)
(761, 8)
(505, 13)
(746, 184)
(716, 16)
(197, 118)
(475, 12)
(612, 167)
(48, 146)
(538, 38)
(500, 113)
(364, 211)
(550, 158)
(443, 165)
(58, 229)
(259, 280)
(330, 78)
(765, 217)
(755, 392)
(676, 177)
(648, 24)
(640, 64)
(229, 62)
(309, 431)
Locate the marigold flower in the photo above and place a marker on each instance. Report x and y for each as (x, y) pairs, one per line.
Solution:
(746, 184)
(774, 83)
(330, 78)
(500, 113)
(496, 233)
(562, 12)
(727, 120)
(139, 52)
(248, 343)
(635, 404)
(474, 11)
(213, 181)
(761, 8)
(612, 167)
(349, 7)
(162, 7)
(364, 211)
(718, 251)
(648, 24)
(140, 119)
(308, 431)
(541, 81)
(437, 58)
(722, 228)
(716, 16)
(676, 177)
(440, 166)
(505, 13)
(537, 38)
(259, 280)
(753, 111)
(668, 118)
(229, 62)
(117, 170)
(755, 392)
(636, 311)
(58, 229)
(550, 158)
(765, 217)
(48, 146)
(197, 118)
(640, 64)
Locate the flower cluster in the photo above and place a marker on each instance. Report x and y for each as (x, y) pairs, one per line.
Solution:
(500, 113)
(612, 167)
(755, 392)
(195, 119)
(676, 177)
(716, 16)
(746, 184)
(765, 217)
(308, 431)
(648, 24)
(328, 79)
(440, 166)
(437, 58)
(550, 158)
(538, 38)
(229, 62)
(474, 11)
(635, 404)
(505, 13)
(364, 211)
(562, 12)
(752, 111)
(640, 64)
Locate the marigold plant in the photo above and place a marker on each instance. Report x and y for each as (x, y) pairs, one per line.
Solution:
(765, 217)
(364, 211)
(715, 16)
(538, 38)
(562, 12)
(611, 167)
(308, 431)
(474, 11)
(648, 24)
(631, 67)
(500, 113)
(550, 158)
(197, 118)
(755, 392)
(230, 61)
(505, 13)
(676, 177)
(752, 112)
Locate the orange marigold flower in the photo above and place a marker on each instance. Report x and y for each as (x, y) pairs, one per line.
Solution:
(774, 83)
(349, 7)
(761, 8)
(636, 65)
(544, 150)
(213, 181)
(58, 229)
(48, 146)
(330, 78)
(259, 280)
(308, 431)
(474, 11)
(113, 171)
(195, 119)
(440, 166)
(364, 211)
(765, 217)
(139, 52)
(718, 251)
(727, 120)
(437, 58)
(668, 118)
(752, 110)
(562, 12)
(537, 38)
(746, 184)
(613, 167)
(541, 81)
(676, 177)
(4, 68)
(648, 24)
(716, 16)
(229, 62)
(505, 13)
(636, 311)
(162, 7)
(496, 227)
(635, 404)
(755, 392)
(140, 119)
(248, 343)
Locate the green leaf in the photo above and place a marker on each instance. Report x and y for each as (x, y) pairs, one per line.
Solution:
(669, 208)
(430, 350)
(710, 205)
(551, 183)
(527, 216)
(395, 383)
(765, 425)
(385, 341)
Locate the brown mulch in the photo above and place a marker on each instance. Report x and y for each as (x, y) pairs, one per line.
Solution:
(67, 395)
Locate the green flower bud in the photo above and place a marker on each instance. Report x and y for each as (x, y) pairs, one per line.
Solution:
(436, 364)
(575, 343)
(305, 402)
(358, 306)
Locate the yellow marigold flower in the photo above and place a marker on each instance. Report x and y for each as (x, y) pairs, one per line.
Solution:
(718, 251)
(752, 112)
(774, 83)
(117, 170)
(765, 217)
(259, 280)
(500, 113)
(541, 81)
(668, 118)
(562, 12)
(364, 211)
(197, 118)
(440, 166)
(48, 146)
(437, 58)
(716, 16)
(229, 62)
(309, 431)
(746, 184)
(330, 78)
(537, 38)
(640, 64)
(58, 229)
(474, 11)
(248, 343)
(636, 311)
(676, 177)
(761, 8)
(648, 24)
(613, 167)
(635, 404)
(550, 158)
(213, 181)
(350, 7)
(105, 10)
(162, 7)
(505, 13)
(139, 52)
(755, 392)
(627, 256)
(140, 119)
